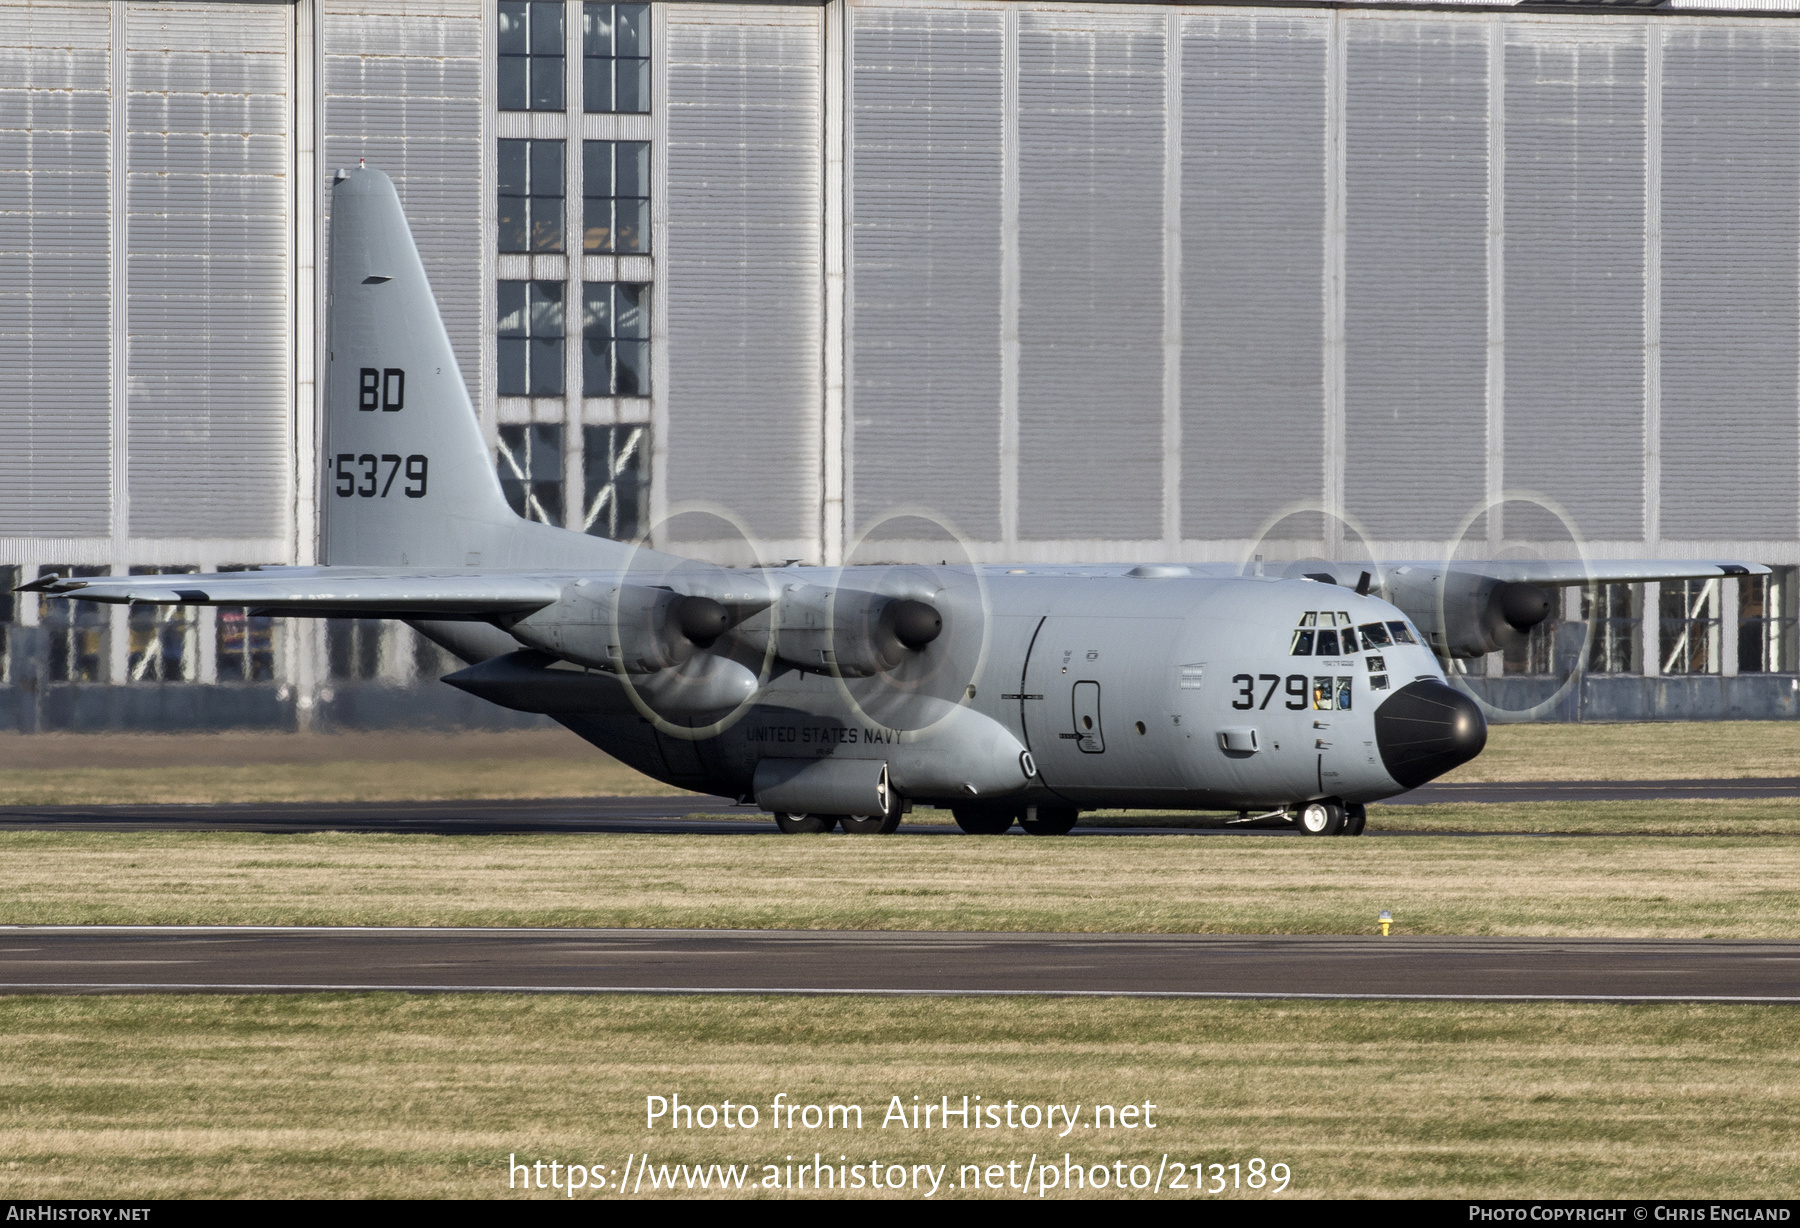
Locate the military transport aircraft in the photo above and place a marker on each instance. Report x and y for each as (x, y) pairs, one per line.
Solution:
(840, 696)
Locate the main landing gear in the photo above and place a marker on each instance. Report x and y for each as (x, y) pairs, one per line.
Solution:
(997, 818)
(854, 824)
(1331, 818)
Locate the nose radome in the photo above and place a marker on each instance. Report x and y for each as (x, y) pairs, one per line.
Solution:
(1426, 728)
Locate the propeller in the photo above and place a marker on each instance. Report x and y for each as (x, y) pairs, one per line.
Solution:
(1477, 615)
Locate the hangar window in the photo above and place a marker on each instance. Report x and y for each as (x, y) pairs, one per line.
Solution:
(616, 196)
(530, 38)
(1614, 613)
(164, 639)
(77, 632)
(9, 612)
(530, 343)
(615, 57)
(531, 196)
(1766, 622)
(531, 470)
(1690, 626)
(244, 643)
(353, 648)
(615, 339)
(615, 462)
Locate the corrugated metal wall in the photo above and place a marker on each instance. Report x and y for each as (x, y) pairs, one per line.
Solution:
(1091, 92)
(1252, 186)
(55, 450)
(1425, 260)
(402, 83)
(925, 171)
(1415, 274)
(1730, 277)
(209, 199)
(1574, 225)
(741, 269)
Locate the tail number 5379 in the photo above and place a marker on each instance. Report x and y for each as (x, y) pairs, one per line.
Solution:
(370, 476)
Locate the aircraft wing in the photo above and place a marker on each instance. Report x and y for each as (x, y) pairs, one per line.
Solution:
(321, 592)
(1558, 572)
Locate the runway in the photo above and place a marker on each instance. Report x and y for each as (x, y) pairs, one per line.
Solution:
(668, 815)
(124, 959)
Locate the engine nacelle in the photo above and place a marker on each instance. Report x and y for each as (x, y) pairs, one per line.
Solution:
(1465, 615)
(626, 628)
(847, 631)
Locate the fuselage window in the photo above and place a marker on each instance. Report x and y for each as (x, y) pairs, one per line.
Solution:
(1343, 695)
(1374, 635)
(1377, 665)
(1328, 644)
(1401, 634)
(1378, 682)
(1303, 643)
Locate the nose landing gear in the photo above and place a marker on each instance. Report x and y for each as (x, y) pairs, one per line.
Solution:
(1327, 818)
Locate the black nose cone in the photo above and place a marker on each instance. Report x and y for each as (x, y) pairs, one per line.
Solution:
(1425, 729)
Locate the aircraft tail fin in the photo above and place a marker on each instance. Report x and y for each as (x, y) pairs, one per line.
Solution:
(408, 481)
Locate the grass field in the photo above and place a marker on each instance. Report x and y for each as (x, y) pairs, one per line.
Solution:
(1739, 887)
(163, 1096)
(94, 769)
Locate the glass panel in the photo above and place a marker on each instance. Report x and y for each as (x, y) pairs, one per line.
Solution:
(1378, 682)
(546, 223)
(631, 30)
(546, 83)
(1328, 644)
(77, 631)
(596, 29)
(633, 360)
(1374, 635)
(546, 367)
(1612, 614)
(1402, 633)
(597, 167)
(1324, 694)
(1303, 644)
(546, 28)
(515, 186)
(633, 160)
(616, 471)
(1377, 665)
(512, 357)
(164, 639)
(1343, 695)
(1348, 637)
(530, 467)
(546, 168)
(513, 38)
(631, 87)
(631, 225)
(596, 85)
(546, 309)
(1689, 625)
(513, 321)
(632, 317)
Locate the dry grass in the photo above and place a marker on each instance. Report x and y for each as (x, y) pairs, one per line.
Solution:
(99, 769)
(1774, 816)
(332, 1096)
(1671, 750)
(1740, 887)
(355, 780)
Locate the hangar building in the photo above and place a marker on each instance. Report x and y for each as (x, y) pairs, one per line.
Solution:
(907, 278)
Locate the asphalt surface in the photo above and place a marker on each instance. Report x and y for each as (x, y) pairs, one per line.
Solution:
(106, 959)
(668, 815)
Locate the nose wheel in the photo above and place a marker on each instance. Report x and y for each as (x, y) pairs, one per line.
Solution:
(1331, 819)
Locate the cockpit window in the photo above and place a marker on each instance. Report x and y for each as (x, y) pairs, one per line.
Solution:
(1303, 642)
(1310, 619)
(1402, 635)
(1328, 644)
(1374, 635)
(1349, 639)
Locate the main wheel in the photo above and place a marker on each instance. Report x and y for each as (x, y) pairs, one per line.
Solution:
(1050, 820)
(984, 820)
(1320, 819)
(1356, 817)
(871, 824)
(806, 824)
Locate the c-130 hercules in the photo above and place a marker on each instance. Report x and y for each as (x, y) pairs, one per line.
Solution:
(839, 696)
